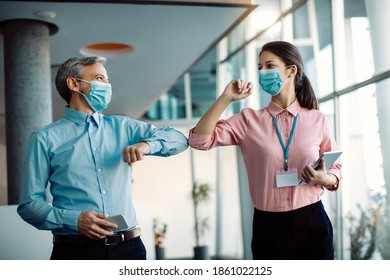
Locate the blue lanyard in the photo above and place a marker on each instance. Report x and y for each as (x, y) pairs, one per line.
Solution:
(285, 149)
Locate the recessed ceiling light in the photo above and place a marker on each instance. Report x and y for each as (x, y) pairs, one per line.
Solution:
(46, 15)
(107, 49)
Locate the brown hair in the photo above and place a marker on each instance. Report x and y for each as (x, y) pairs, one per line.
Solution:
(290, 55)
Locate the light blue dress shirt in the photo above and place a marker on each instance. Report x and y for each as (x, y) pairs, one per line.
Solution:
(80, 158)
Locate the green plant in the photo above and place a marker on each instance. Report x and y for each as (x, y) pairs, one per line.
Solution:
(159, 232)
(200, 194)
(363, 234)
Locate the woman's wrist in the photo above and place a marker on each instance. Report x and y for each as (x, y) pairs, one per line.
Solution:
(332, 183)
(225, 99)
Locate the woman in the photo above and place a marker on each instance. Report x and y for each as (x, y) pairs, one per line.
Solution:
(279, 144)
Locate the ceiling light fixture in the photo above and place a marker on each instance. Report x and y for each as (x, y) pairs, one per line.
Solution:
(107, 49)
(45, 15)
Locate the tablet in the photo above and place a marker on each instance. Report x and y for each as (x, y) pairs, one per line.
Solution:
(329, 157)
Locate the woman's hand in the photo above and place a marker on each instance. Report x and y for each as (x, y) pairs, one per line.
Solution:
(235, 90)
(238, 89)
(319, 176)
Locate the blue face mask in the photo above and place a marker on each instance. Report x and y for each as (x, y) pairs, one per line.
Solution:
(100, 95)
(270, 81)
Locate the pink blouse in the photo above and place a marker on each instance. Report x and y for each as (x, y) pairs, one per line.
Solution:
(255, 133)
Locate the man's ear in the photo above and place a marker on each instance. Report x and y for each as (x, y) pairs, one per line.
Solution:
(72, 84)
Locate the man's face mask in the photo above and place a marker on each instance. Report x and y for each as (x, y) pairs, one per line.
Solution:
(100, 95)
(270, 81)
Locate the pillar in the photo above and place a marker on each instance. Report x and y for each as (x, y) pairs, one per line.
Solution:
(28, 99)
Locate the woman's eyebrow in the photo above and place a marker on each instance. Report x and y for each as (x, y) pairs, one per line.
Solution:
(269, 61)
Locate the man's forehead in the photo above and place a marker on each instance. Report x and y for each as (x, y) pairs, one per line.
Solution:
(96, 69)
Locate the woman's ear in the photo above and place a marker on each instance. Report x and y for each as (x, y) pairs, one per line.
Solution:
(72, 84)
(294, 71)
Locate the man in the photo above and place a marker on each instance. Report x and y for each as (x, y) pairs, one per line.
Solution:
(86, 159)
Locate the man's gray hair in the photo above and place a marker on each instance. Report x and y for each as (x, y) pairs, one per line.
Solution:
(73, 67)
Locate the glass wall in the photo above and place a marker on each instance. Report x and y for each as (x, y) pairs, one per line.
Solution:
(202, 92)
(363, 181)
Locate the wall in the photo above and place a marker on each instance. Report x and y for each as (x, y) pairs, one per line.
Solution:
(21, 241)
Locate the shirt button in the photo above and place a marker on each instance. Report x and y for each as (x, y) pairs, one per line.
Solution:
(104, 192)
(94, 149)
(99, 170)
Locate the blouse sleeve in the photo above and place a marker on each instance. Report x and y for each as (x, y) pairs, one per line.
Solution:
(226, 132)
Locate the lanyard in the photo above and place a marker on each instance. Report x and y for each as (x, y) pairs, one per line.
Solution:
(285, 149)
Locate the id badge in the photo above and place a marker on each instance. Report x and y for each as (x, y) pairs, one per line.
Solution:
(287, 178)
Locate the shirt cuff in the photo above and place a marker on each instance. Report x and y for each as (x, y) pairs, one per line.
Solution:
(155, 146)
(198, 140)
(334, 187)
(64, 218)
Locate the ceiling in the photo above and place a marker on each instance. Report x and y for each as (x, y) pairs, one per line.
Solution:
(168, 37)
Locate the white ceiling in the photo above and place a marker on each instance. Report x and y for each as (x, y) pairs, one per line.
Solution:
(168, 37)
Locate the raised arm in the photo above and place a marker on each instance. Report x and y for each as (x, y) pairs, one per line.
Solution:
(235, 90)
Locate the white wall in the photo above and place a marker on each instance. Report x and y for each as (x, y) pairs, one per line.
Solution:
(21, 241)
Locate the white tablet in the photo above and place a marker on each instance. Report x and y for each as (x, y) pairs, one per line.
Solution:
(329, 158)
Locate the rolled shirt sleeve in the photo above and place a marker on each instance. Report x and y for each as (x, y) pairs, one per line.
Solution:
(226, 132)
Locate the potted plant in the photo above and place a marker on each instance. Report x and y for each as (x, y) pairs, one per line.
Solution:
(363, 234)
(200, 194)
(159, 235)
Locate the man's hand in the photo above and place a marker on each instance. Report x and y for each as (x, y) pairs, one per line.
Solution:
(136, 152)
(90, 225)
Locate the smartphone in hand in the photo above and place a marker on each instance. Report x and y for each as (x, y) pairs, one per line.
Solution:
(118, 220)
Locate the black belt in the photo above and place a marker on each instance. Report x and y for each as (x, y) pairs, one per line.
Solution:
(115, 239)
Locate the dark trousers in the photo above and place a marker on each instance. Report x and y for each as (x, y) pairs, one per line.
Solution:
(302, 234)
(132, 249)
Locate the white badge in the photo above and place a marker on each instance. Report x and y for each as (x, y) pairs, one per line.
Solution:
(287, 178)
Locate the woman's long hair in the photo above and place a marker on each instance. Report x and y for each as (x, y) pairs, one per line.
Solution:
(290, 55)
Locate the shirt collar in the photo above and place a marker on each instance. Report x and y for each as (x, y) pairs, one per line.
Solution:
(274, 109)
(79, 117)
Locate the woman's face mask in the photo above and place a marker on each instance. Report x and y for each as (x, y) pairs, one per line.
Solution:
(100, 95)
(270, 81)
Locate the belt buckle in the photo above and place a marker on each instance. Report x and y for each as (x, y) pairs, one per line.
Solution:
(121, 234)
